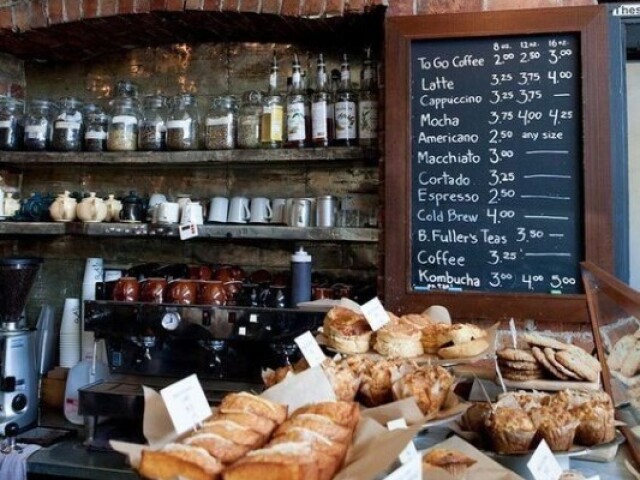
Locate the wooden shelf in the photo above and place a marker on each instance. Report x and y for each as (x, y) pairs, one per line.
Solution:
(196, 157)
(221, 231)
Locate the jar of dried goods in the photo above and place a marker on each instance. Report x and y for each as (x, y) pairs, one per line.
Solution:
(38, 125)
(68, 127)
(152, 131)
(123, 126)
(182, 125)
(11, 111)
(220, 124)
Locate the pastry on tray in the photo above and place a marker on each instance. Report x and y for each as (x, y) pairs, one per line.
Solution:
(429, 385)
(376, 383)
(174, 460)
(217, 446)
(347, 331)
(462, 340)
(432, 335)
(510, 430)
(556, 427)
(597, 423)
(398, 341)
(346, 414)
(454, 462)
(344, 380)
(235, 432)
(246, 402)
(261, 425)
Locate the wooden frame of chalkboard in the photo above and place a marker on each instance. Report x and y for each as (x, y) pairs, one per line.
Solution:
(489, 263)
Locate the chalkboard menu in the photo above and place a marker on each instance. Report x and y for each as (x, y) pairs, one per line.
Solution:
(496, 162)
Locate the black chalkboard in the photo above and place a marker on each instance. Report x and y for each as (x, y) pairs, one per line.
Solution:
(496, 164)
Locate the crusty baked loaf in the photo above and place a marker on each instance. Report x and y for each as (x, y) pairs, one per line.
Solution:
(261, 425)
(235, 432)
(246, 402)
(347, 331)
(318, 423)
(217, 446)
(346, 414)
(175, 460)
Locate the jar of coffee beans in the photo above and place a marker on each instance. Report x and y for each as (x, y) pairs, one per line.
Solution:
(11, 111)
(37, 125)
(182, 125)
(152, 130)
(220, 124)
(68, 127)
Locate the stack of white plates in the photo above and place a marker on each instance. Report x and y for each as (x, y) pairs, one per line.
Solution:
(69, 342)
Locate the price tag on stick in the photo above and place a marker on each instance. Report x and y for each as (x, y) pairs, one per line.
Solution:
(375, 314)
(186, 403)
(310, 349)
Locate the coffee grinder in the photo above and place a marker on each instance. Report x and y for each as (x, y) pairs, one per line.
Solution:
(18, 376)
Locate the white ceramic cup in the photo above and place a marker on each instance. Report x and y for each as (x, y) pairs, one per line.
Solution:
(300, 212)
(279, 207)
(168, 212)
(260, 210)
(152, 210)
(239, 210)
(218, 209)
(192, 213)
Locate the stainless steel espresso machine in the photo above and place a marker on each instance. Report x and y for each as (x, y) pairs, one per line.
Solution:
(18, 376)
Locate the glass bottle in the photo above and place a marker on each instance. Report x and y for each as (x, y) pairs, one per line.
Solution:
(37, 125)
(345, 108)
(182, 125)
(272, 119)
(321, 108)
(123, 126)
(249, 120)
(68, 127)
(296, 103)
(152, 129)
(95, 135)
(368, 103)
(11, 111)
(220, 124)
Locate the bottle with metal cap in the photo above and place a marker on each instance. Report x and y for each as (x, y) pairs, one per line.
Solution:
(300, 277)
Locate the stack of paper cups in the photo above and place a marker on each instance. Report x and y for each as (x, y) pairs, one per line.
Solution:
(93, 273)
(70, 333)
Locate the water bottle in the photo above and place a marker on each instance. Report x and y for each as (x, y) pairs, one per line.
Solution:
(300, 277)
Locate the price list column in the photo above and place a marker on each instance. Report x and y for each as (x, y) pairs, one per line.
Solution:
(496, 196)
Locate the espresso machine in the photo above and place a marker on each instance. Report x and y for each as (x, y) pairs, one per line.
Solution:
(18, 376)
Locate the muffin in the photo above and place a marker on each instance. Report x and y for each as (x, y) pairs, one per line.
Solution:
(510, 430)
(344, 381)
(596, 423)
(475, 417)
(556, 427)
(429, 385)
(454, 462)
(375, 385)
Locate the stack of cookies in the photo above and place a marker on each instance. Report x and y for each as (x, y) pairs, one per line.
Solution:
(519, 365)
(548, 358)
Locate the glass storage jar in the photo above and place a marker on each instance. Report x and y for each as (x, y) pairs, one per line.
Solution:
(38, 125)
(95, 135)
(11, 110)
(123, 126)
(182, 124)
(249, 120)
(220, 124)
(126, 88)
(152, 130)
(68, 127)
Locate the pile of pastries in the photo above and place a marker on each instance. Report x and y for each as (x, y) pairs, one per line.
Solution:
(408, 336)
(519, 420)
(250, 438)
(624, 357)
(547, 357)
(375, 383)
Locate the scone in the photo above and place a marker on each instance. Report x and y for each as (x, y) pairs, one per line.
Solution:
(510, 430)
(462, 340)
(347, 331)
(176, 460)
(453, 461)
(432, 335)
(429, 385)
(398, 341)
(417, 321)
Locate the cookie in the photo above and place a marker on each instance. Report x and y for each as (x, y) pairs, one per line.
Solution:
(514, 365)
(521, 376)
(620, 350)
(540, 356)
(631, 362)
(516, 355)
(538, 340)
(550, 354)
(581, 363)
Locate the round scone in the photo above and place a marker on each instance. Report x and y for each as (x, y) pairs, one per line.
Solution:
(347, 331)
(431, 336)
(398, 341)
(464, 350)
(415, 320)
(465, 332)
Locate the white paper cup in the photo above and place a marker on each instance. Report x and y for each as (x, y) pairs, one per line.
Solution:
(93, 270)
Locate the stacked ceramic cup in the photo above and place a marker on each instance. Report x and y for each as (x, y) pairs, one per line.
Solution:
(93, 273)
(70, 333)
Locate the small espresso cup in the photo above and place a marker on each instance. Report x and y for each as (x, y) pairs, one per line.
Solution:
(152, 289)
(211, 293)
(260, 210)
(218, 210)
(182, 291)
(168, 212)
(239, 210)
(126, 289)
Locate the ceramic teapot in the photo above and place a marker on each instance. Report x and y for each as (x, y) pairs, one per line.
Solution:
(92, 209)
(63, 208)
(113, 208)
(133, 209)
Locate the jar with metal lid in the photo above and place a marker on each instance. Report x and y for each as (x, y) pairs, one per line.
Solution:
(249, 120)
(68, 127)
(11, 111)
(220, 124)
(152, 130)
(182, 125)
(95, 135)
(123, 126)
(38, 125)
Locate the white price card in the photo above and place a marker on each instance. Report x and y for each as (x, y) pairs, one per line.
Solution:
(543, 464)
(310, 349)
(375, 314)
(186, 403)
(409, 451)
(188, 230)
